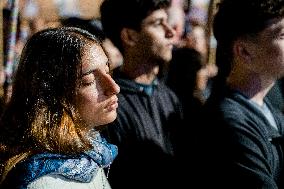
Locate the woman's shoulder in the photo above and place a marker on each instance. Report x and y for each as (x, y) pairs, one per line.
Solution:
(57, 181)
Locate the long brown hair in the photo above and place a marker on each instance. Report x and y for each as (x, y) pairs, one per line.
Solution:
(41, 116)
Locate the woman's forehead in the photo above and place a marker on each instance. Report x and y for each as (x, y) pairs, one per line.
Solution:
(94, 57)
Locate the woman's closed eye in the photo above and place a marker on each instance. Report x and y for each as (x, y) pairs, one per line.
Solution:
(90, 76)
(88, 79)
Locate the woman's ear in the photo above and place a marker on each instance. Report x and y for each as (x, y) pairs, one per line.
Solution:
(129, 36)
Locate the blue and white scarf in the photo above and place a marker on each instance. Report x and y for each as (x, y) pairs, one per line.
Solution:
(82, 168)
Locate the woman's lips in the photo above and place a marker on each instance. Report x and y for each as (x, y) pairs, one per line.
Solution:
(112, 105)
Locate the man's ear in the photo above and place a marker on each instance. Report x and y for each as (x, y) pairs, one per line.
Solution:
(129, 36)
(241, 50)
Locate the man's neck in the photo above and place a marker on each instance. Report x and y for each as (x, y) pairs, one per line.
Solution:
(254, 86)
(141, 72)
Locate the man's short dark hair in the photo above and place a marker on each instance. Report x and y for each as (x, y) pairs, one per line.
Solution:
(119, 14)
(241, 18)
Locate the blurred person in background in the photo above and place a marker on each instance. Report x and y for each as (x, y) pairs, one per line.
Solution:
(241, 140)
(149, 113)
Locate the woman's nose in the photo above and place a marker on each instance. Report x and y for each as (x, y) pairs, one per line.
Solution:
(111, 87)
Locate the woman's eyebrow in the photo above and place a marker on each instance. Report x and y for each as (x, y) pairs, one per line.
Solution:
(108, 64)
(92, 70)
(88, 72)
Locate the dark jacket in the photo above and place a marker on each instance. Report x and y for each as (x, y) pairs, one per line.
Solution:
(239, 147)
(144, 133)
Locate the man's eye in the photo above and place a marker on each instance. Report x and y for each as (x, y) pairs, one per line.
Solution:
(157, 23)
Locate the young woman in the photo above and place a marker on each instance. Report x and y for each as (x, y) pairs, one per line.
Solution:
(62, 97)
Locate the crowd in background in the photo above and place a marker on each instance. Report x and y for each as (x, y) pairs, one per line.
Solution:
(187, 18)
